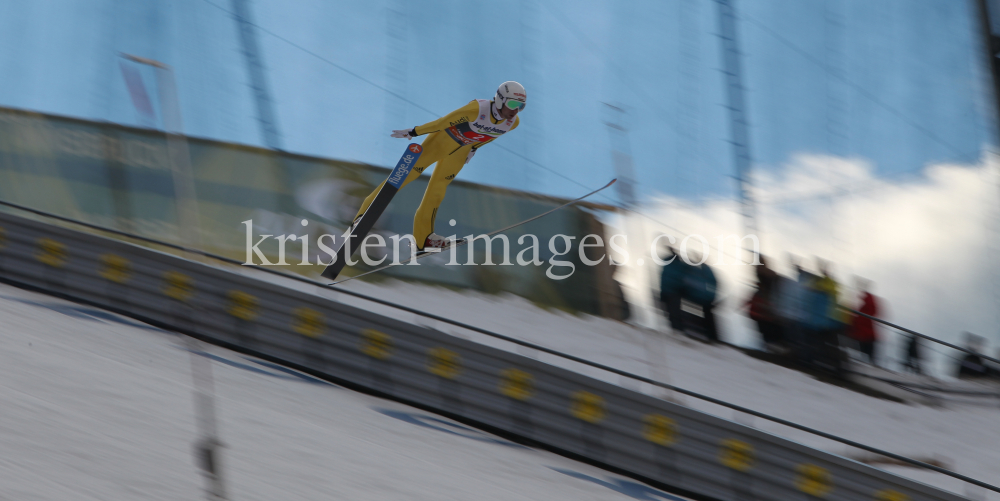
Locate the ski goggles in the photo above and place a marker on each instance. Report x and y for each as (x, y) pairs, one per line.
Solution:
(514, 105)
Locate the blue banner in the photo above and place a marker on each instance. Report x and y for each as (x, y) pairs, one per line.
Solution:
(404, 165)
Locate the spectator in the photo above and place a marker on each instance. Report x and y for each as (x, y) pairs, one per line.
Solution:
(972, 365)
(790, 308)
(671, 287)
(619, 308)
(825, 321)
(762, 306)
(911, 360)
(863, 328)
(701, 288)
(814, 306)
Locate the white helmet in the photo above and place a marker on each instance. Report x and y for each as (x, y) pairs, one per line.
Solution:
(510, 91)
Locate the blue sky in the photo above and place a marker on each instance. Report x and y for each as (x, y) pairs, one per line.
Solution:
(895, 82)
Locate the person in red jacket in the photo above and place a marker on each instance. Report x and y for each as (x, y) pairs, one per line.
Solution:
(863, 328)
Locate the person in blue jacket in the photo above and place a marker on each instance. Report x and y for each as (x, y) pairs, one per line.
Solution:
(823, 321)
(671, 287)
(701, 288)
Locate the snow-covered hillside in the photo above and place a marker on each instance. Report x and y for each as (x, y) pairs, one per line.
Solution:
(99, 407)
(963, 437)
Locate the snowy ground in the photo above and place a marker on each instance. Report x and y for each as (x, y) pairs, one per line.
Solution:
(963, 437)
(98, 407)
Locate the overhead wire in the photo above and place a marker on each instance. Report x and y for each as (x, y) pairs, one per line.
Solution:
(433, 113)
(630, 83)
(577, 33)
(572, 28)
(838, 191)
(642, 93)
(857, 87)
(847, 189)
(384, 89)
(785, 41)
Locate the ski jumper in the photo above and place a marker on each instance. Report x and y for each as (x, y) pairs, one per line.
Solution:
(451, 138)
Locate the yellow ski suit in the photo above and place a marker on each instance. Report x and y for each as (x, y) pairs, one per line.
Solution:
(448, 144)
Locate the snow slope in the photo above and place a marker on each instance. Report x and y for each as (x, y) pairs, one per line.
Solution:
(963, 437)
(99, 407)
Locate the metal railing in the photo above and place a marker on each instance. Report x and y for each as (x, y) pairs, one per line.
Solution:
(924, 336)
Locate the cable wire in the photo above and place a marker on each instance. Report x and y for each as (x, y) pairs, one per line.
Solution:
(861, 90)
(382, 88)
(433, 113)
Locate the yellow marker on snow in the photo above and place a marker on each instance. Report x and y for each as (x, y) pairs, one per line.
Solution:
(115, 268)
(736, 454)
(242, 305)
(813, 480)
(308, 322)
(891, 495)
(52, 253)
(376, 344)
(588, 407)
(660, 430)
(178, 286)
(517, 384)
(444, 362)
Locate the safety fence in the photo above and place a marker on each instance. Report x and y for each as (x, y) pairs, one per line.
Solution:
(654, 440)
(928, 366)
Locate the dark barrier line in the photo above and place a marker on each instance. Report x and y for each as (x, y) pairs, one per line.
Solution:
(526, 344)
(924, 336)
(929, 388)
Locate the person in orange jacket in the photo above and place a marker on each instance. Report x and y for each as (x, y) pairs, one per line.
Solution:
(863, 328)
